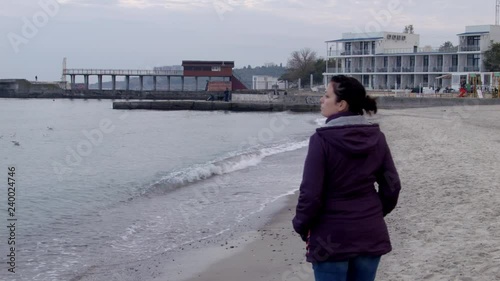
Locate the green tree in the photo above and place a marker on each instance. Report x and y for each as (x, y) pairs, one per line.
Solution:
(301, 65)
(319, 69)
(492, 58)
(448, 47)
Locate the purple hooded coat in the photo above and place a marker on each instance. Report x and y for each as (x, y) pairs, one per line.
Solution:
(338, 207)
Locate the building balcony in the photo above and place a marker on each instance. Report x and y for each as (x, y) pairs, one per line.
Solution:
(469, 48)
(419, 50)
(352, 52)
(334, 70)
(471, 68)
(350, 70)
(402, 69)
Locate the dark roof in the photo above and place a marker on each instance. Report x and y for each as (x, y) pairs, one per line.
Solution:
(207, 63)
(356, 39)
(473, 33)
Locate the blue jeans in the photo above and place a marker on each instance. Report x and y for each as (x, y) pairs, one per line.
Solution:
(361, 268)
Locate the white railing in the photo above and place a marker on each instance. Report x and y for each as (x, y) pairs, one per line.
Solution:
(353, 52)
(420, 50)
(400, 69)
(123, 72)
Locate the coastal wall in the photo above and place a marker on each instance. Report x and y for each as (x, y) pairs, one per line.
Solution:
(209, 105)
(302, 104)
(404, 102)
(383, 102)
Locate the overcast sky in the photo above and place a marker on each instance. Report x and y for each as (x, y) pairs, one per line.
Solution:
(141, 34)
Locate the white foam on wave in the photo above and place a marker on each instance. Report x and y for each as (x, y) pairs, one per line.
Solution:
(236, 162)
(266, 203)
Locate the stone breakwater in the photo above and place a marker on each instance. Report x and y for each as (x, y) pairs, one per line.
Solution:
(211, 105)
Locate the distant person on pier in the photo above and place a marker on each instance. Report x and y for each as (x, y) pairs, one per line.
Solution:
(226, 95)
(340, 214)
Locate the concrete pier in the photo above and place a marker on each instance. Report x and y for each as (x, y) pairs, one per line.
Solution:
(86, 81)
(126, 73)
(99, 79)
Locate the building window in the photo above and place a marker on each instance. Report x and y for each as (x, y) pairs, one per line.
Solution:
(426, 60)
(473, 60)
(454, 60)
(440, 60)
(348, 47)
(473, 40)
(386, 61)
(412, 61)
(398, 61)
(373, 47)
(365, 48)
(366, 80)
(216, 68)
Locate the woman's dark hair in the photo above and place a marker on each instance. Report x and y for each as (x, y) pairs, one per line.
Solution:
(350, 90)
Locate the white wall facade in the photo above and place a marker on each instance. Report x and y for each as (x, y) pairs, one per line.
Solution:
(263, 82)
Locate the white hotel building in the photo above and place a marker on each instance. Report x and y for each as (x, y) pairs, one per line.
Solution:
(389, 60)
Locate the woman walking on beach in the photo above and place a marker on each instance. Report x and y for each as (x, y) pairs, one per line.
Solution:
(340, 214)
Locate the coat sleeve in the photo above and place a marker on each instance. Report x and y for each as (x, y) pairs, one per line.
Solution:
(388, 181)
(311, 188)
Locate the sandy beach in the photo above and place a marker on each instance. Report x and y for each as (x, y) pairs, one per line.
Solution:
(446, 224)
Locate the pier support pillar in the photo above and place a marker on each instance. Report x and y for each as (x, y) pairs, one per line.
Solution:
(73, 81)
(141, 79)
(154, 83)
(113, 81)
(86, 81)
(168, 83)
(99, 78)
(127, 82)
(182, 78)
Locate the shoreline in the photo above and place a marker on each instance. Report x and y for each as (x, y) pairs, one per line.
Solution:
(272, 252)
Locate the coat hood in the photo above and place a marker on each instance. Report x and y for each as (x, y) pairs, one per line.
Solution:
(351, 134)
